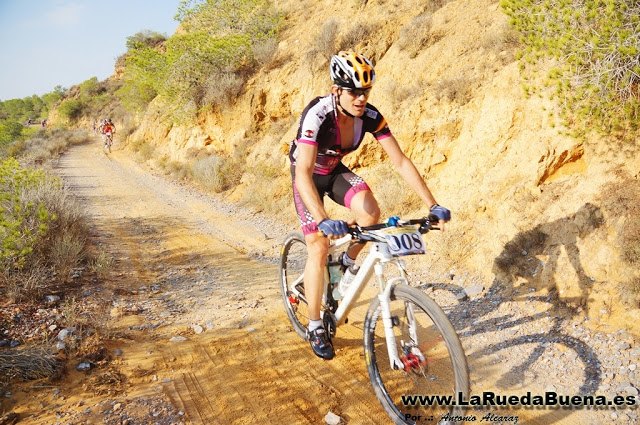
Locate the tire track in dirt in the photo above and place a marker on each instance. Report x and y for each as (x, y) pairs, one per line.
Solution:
(250, 367)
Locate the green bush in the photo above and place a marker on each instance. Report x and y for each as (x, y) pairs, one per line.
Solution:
(43, 232)
(22, 221)
(146, 38)
(596, 44)
(71, 109)
(220, 37)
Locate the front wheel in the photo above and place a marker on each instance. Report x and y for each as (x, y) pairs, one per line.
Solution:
(434, 363)
(292, 261)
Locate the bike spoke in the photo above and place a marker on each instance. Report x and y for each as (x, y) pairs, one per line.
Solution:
(292, 262)
(428, 359)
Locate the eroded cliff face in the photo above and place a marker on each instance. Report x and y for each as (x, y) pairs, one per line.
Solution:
(533, 207)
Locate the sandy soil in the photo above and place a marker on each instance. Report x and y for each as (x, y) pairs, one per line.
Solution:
(198, 334)
(172, 271)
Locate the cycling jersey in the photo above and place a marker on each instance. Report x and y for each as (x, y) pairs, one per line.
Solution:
(319, 126)
(107, 128)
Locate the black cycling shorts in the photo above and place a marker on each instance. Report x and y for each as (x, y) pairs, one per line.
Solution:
(340, 185)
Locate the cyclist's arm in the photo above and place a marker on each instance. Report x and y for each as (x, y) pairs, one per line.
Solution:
(305, 162)
(405, 167)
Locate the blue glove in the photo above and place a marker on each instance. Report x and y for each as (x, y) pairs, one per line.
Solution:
(333, 227)
(393, 220)
(442, 213)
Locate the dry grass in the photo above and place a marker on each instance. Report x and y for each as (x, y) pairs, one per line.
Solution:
(46, 147)
(218, 173)
(354, 36)
(28, 364)
(143, 150)
(271, 193)
(622, 200)
(458, 90)
(101, 264)
(110, 382)
(416, 36)
(221, 88)
(392, 193)
(325, 44)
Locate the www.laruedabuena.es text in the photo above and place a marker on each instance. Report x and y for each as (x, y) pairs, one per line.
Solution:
(491, 399)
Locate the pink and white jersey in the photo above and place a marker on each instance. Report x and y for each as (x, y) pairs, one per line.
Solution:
(319, 126)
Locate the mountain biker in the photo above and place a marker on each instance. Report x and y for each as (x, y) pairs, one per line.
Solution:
(330, 127)
(108, 129)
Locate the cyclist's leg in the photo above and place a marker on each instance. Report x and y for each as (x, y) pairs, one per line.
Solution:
(352, 191)
(317, 249)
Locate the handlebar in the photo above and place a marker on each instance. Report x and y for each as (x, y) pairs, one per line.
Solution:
(363, 233)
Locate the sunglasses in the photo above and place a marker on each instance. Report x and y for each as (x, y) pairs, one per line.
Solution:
(359, 92)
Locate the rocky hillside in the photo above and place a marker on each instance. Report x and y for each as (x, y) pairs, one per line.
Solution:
(533, 207)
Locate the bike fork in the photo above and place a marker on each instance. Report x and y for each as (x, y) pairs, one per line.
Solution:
(384, 297)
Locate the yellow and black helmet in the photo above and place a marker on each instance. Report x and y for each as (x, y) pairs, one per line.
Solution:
(351, 70)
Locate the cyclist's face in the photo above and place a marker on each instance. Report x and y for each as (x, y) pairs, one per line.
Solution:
(354, 101)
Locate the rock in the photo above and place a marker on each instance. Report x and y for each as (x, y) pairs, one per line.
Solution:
(117, 407)
(178, 339)
(117, 352)
(197, 329)
(83, 367)
(64, 333)
(51, 299)
(60, 345)
(53, 328)
(332, 419)
(473, 290)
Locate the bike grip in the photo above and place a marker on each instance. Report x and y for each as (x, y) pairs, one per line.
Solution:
(433, 218)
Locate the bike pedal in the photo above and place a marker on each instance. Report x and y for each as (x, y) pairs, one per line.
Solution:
(395, 320)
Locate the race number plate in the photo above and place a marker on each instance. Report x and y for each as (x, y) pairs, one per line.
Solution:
(405, 240)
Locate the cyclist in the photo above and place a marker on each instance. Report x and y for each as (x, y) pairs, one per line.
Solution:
(332, 126)
(108, 129)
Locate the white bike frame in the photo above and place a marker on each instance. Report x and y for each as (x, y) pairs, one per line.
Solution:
(378, 256)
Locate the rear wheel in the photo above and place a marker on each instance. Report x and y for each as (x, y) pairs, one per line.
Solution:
(433, 361)
(292, 261)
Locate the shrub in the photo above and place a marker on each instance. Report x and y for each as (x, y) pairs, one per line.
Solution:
(325, 43)
(42, 230)
(22, 221)
(416, 36)
(218, 173)
(145, 38)
(227, 38)
(355, 35)
(596, 45)
(71, 109)
(454, 90)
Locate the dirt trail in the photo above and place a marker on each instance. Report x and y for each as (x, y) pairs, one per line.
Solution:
(199, 335)
(171, 272)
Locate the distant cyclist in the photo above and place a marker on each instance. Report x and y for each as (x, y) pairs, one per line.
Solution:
(108, 129)
(331, 127)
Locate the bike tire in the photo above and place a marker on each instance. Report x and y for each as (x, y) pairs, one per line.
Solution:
(293, 258)
(439, 342)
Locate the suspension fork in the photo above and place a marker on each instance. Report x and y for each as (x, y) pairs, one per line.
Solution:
(384, 296)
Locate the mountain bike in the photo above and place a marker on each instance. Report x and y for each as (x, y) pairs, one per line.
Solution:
(108, 141)
(410, 346)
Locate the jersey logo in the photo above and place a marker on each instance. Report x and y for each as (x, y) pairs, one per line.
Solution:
(308, 133)
(371, 113)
